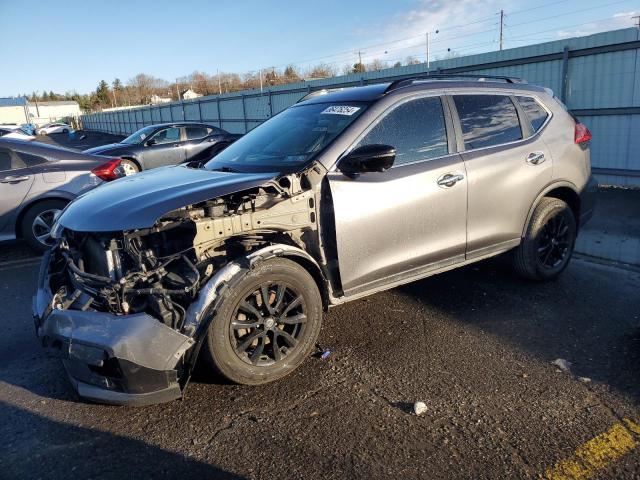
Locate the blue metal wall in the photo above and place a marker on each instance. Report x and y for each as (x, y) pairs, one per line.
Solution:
(597, 76)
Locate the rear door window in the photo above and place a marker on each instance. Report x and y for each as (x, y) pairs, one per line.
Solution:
(194, 133)
(535, 113)
(416, 129)
(487, 120)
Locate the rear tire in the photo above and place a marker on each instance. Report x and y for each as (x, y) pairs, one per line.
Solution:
(37, 222)
(129, 167)
(548, 243)
(279, 334)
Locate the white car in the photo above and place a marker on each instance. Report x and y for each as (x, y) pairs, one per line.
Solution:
(53, 128)
(16, 134)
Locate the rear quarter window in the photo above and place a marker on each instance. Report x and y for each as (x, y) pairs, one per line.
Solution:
(30, 160)
(487, 120)
(536, 114)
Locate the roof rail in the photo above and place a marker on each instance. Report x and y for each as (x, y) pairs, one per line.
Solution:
(403, 82)
(321, 91)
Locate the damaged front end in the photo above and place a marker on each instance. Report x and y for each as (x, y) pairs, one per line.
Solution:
(128, 310)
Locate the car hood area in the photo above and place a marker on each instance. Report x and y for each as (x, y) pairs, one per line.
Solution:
(138, 201)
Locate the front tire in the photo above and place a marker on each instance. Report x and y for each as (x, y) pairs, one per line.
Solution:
(37, 223)
(265, 325)
(548, 243)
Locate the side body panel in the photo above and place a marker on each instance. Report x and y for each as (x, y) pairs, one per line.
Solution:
(395, 222)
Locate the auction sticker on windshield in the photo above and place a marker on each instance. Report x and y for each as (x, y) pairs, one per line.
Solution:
(340, 110)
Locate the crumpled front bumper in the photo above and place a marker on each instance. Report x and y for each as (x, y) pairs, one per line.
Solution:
(117, 359)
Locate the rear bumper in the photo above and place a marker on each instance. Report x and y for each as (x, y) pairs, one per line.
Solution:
(116, 359)
(588, 200)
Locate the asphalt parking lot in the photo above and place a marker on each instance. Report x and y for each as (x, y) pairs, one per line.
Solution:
(475, 345)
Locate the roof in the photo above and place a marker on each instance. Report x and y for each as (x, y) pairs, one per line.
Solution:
(169, 124)
(373, 92)
(55, 103)
(13, 102)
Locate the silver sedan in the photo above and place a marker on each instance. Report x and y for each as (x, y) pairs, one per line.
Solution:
(37, 181)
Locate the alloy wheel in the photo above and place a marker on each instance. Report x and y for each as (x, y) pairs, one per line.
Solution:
(268, 323)
(554, 242)
(42, 225)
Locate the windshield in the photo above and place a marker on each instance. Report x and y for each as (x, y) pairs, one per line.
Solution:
(288, 140)
(139, 136)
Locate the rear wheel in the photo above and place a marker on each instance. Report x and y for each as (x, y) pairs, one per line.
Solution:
(548, 244)
(129, 167)
(266, 325)
(37, 223)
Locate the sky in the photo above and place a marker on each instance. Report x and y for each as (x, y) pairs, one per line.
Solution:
(71, 45)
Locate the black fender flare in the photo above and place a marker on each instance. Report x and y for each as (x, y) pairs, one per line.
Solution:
(202, 311)
(551, 186)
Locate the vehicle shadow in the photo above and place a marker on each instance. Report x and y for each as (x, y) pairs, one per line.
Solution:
(586, 316)
(38, 447)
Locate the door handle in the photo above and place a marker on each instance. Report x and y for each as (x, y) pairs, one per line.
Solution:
(176, 144)
(450, 179)
(535, 158)
(12, 179)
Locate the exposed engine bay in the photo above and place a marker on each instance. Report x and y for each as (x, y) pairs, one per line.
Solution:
(160, 270)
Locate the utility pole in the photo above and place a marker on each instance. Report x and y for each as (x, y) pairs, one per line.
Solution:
(260, 73)
(427, 35)
(638, 18)
(428, 59)
(219, 82)
(501, 28)
(177, 90)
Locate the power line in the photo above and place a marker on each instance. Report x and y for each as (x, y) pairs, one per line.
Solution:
(570, 13)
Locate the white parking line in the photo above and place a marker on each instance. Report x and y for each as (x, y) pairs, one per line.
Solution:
(26, 262)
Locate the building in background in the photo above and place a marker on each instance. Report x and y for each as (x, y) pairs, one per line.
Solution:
(189, 94)
(20, 110)
(157, 99)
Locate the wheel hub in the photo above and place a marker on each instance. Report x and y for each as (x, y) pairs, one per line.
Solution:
(269, 323)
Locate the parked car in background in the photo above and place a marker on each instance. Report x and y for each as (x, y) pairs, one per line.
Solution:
(167, 144)
(37, 181)
(16, 134)
(50, 128)
(345, 194)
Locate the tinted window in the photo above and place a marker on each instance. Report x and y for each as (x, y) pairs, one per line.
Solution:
(487, 120)
(3, 132)
(535, 113)
(168, 135)
(416, 129)
(5, 160)
(30, 160)
(193, 133)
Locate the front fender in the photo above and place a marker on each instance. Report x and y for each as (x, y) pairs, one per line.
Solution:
(202, 311)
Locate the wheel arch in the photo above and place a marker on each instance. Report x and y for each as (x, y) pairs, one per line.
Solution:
(563, 190)
(28, 206)
(134, 160)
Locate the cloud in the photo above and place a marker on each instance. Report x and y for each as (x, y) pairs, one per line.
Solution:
(459, 23)
(616, 21)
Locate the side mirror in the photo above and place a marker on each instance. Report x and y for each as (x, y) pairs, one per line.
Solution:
(150, 142)
(368, 158)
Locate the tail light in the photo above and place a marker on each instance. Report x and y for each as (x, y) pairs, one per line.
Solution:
(581, 133)
(108, 171)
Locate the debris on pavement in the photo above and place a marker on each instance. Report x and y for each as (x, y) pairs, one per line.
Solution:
(419, 408)
(562, 364)
(321, 352)
(584, 379)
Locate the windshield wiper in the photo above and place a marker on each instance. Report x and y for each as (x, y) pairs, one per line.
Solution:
(226, 170)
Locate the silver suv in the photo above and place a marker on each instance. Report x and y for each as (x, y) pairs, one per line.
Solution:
(344, 194)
